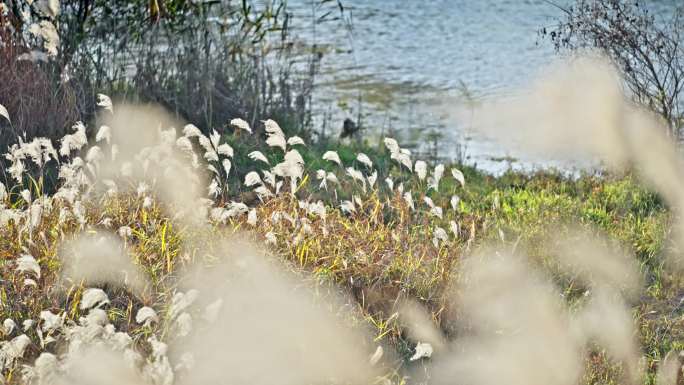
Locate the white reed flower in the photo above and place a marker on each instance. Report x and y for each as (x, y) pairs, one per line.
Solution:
(263, 192)
(4, 113)
(183, 325)
(428, 201)
(3, 192)
(252, 217)
(357, 200)
(214, 188)
(213, 169)
(93, 297)
(372, 178)
(439, 235)
(75, 141)
(125, 232)
(184, 144)
(105, 102)
(225, 149)
(436, 212)
(26, 263)
(241, 124)
(357, 175)
(423, 350)
(258, 155)
(142, 189)
(421, 169)
(94, 155)
(293, 156)
(211, 156)
(226, 165)
(214, 138)
(277, 141)
(182, 301)
(295, 140)
(51, 322)
(236, 208)
(375, 358)
(458, 175)
(403, 158)
(211, 312)
(271, 238)
(320, 175)
(46, 368)
(252, 178)
(272, 128)
(27, 324)
(147, 202)
(333, 157)
(454, 202)
(433, 182)
(409, 200)
(347, 207)
(191, 130)
(292, 166)
(332, 178)
(49, 8)
(104, 133)
(14, 349)
(363, 158)
(269, 178)
(391, 145)
(8, 326)
(453, 226)
(390, 183)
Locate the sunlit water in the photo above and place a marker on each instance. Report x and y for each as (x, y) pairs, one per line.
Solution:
(411, 63)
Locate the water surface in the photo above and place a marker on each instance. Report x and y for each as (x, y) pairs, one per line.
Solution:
(405, 64)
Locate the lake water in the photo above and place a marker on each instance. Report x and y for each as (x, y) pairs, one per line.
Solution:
(410, 61)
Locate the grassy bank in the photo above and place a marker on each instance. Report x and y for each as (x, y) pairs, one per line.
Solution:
(379, 243)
